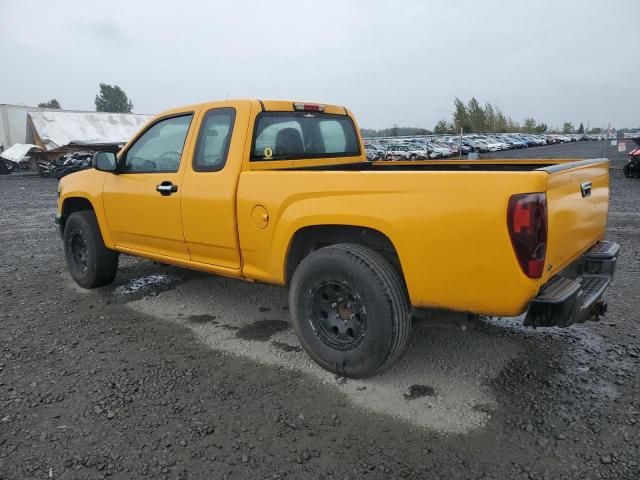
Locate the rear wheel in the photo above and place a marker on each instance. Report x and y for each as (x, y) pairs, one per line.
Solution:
(350, 309)
(90, 263)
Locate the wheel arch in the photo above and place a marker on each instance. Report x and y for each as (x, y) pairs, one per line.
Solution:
(78, 203)
(310, 238)
(75, 204)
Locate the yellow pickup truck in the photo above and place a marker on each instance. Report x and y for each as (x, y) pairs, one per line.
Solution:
(281, 192)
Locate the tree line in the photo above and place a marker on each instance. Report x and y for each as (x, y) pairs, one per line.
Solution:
(110, 98)
(472, 117)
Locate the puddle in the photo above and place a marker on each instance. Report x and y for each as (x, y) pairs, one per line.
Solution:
(233, 328)
(156, 282)
(417, 391)
(262, 330)
(210, 319)
(582, 348)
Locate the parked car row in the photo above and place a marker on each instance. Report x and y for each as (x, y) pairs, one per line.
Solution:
(422, 148)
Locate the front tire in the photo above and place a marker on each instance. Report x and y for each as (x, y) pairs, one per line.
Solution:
(350, 310)
(90, 263)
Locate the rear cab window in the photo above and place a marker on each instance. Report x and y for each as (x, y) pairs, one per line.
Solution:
(303, 135)
(213, 142)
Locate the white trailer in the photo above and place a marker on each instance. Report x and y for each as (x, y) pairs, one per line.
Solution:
(13, 124)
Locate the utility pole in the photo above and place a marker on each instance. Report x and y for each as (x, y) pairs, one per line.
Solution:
(606, 142)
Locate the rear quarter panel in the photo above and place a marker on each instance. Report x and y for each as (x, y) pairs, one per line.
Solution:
(449, 228)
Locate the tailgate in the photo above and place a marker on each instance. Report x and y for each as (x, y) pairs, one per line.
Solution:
(578, 205)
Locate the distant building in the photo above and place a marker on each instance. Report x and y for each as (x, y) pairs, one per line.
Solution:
(53, 129)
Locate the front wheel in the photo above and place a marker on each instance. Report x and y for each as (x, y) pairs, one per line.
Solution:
(91, 264)
(350, 309)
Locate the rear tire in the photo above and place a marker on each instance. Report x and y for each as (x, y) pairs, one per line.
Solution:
(90, 263)
(350, 310)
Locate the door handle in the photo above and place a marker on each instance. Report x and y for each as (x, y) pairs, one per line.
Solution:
(166, 188)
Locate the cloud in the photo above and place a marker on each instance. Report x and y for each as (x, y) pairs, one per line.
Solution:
(104, 31)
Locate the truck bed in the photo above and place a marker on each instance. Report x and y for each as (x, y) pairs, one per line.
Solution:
(509, 165)
(447, 220)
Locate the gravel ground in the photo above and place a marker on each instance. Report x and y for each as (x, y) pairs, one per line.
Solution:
(174, 374)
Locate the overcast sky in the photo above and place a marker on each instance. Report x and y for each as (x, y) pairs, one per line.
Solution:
(392, 62)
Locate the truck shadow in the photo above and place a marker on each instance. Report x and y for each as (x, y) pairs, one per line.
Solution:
(445, 381)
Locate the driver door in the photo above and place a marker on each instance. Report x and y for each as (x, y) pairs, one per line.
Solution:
(142, 200)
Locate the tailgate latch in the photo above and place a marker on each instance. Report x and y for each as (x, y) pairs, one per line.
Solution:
(585, 188)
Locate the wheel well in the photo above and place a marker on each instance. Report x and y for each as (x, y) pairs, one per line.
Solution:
(309, 239)
(72, 205)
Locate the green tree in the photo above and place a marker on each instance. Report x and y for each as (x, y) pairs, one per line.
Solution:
(541, 128)
(581, 128)
(596, 130)
(490, 118)
(53, 103)
(461, 116)
(113, 99)
(476, 116)
(512, 126)
(567, 127)
(394, 131)
(529, 125)
(442, 127)
(501, 121)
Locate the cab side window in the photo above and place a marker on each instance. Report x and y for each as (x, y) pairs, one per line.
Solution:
(159, 148)
(212, 147)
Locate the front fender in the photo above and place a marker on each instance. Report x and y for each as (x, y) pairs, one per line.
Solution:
(87, 185)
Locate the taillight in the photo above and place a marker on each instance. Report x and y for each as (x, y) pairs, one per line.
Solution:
(527, 223)
(308, 107)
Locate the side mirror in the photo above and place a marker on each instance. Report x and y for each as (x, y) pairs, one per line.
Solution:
(105, 161)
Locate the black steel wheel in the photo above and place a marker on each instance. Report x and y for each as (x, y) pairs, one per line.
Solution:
(350, 309)
(79, 251)
(337, 314)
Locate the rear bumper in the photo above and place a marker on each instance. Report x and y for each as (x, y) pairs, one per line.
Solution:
(576, 294)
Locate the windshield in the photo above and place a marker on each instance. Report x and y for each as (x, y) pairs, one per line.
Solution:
(298, 135)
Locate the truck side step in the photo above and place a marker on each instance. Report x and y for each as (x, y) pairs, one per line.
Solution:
(558, 289)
